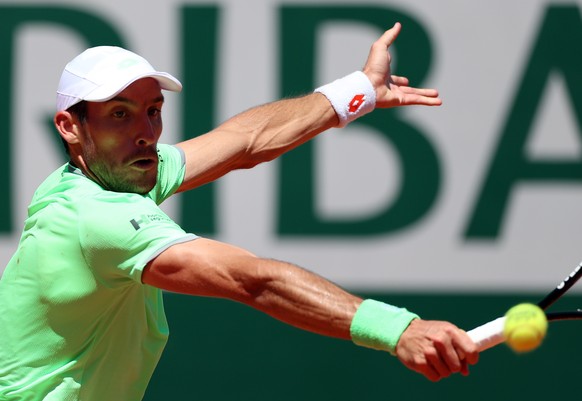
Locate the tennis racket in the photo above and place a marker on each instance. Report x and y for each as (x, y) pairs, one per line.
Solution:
(491, 334)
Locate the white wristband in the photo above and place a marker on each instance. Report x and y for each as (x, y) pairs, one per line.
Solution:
(351, 96)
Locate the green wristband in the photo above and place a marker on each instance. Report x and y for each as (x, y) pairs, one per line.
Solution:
(379, 326)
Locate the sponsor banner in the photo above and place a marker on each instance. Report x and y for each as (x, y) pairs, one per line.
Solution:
(480, 194)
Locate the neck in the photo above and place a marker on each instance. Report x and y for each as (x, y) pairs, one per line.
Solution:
(79, 162)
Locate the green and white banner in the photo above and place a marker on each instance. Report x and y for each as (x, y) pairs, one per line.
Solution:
(481, 194)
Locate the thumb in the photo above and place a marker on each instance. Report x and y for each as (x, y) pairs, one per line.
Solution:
(390, 35)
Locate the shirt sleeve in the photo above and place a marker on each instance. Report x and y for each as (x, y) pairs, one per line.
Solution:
(121, 233)
(171, 171)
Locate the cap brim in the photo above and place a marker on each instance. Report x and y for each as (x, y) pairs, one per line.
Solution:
(112, 89)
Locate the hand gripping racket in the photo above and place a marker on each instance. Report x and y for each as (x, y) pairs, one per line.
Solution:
(491, 334)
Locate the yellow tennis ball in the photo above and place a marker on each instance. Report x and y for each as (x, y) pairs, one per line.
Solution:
(525, 327)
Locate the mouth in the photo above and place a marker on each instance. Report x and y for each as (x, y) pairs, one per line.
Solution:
(145, 163)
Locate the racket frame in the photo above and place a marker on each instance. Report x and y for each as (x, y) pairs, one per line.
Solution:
(491, 334)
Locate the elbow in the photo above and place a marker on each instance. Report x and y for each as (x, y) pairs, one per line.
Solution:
(256, 282)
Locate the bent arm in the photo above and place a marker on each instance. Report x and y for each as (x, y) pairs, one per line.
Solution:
(265, 132)
(284, 291)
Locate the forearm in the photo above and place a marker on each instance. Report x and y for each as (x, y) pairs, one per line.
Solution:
(278, 127)
(304, 300)
(255, 136)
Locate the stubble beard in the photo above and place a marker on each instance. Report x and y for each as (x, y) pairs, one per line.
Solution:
(118, 178)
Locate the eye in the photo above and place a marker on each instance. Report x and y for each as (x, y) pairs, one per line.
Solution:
(155, 112)
(119, 114)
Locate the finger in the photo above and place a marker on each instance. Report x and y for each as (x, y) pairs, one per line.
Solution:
(470, 357)
(430, 373)
(414, 99)
(448, 355)
(464, 368)
(398, 80)
(406, 96)
(435, 360)
(469, 348)
(391, 34)
(466, 348)
(461, 354)
(428, 92)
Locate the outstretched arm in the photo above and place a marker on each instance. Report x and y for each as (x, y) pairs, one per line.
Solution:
(265, 132)
(291, 294)
(305, 300)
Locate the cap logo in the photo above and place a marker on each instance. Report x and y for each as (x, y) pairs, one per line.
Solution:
(127, 63)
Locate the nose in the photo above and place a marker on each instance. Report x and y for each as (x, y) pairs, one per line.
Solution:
(147, 132)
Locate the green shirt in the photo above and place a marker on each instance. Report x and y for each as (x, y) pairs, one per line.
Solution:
(76, 323)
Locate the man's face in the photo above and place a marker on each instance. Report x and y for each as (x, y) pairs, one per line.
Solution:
(119, 138)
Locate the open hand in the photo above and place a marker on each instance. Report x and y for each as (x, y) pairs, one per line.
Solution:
(393, 90)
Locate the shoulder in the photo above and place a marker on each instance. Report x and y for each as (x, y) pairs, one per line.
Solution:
(119, 232)
(171, 170)
(107, 211)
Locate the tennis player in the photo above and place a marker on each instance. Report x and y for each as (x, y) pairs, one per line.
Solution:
(81, 314)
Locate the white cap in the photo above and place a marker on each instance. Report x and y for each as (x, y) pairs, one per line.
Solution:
(100, 73)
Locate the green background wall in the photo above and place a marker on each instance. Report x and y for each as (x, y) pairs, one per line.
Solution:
(220, 350)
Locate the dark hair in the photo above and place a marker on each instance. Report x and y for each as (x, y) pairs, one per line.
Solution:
(79, 110)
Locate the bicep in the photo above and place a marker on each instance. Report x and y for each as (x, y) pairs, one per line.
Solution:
(202, 267)
(212, 155)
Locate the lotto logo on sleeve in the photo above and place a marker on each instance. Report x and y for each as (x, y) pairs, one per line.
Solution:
(356, 103)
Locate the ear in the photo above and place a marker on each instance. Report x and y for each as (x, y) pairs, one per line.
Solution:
(68, 126)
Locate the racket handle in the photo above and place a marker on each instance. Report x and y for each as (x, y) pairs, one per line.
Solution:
(488, 335)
